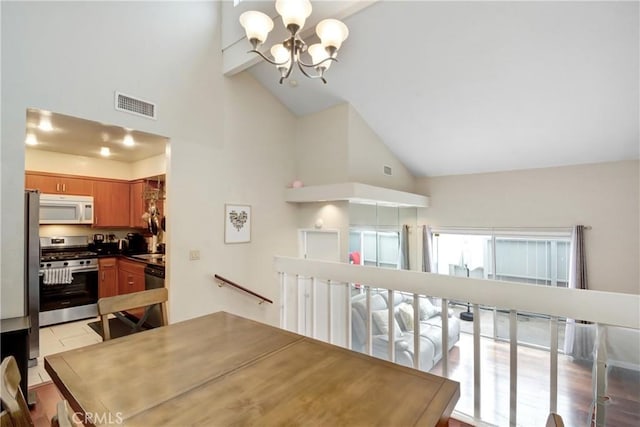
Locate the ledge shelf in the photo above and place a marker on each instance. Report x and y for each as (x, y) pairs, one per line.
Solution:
(355, 192)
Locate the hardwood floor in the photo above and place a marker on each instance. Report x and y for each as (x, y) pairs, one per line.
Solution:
(47, 397)
(574, 386)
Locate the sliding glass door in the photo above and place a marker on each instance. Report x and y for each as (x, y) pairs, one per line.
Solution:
(533, 257)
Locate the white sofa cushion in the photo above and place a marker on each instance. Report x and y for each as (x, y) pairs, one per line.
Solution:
(406, 316)
(427, 310)
(381, 319)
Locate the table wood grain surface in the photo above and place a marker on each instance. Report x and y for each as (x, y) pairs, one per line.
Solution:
(222, 369)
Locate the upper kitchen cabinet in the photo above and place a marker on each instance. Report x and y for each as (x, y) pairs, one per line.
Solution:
(137, 204)
(58, 184)
(111, 203)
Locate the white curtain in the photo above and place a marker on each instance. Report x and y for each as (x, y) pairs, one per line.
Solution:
(579, 339)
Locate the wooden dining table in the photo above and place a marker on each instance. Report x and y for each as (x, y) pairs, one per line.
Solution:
(222, 369)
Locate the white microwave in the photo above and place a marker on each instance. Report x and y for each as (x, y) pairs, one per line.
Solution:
(55, 209)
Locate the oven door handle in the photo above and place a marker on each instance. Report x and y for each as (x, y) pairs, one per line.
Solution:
(84, 270)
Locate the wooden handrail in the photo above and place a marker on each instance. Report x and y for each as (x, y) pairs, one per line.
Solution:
(222, 281)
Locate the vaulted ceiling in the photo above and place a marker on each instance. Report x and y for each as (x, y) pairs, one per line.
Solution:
(467, 87)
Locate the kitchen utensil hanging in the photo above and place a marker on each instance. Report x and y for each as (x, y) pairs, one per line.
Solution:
(154, 220)
(153, 226)
(153, 193)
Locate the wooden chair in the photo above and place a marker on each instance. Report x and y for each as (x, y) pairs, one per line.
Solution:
(5, 419)
(115, 305)
(64, 415)
(12, 399)
(554, 420)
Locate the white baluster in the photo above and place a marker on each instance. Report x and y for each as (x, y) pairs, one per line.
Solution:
(416, 331)
(513, 366)
(298, 315)
(553, 366)
(444, 305)
(313, 307)
(477, 362)
(283, 306)
(348, 316)
(391, 348)
(369, 343)
(330, 316)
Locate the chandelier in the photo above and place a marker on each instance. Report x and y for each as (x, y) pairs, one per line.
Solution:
(288, 54)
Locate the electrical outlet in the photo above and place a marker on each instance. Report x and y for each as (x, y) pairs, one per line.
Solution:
(194, 255)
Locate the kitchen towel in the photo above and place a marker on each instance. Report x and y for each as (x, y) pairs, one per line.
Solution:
(57, 276)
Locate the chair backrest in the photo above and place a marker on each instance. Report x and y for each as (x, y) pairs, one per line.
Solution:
(11, 394)
(5, 419)
(64, 415)
(554, 420)
(131, 301)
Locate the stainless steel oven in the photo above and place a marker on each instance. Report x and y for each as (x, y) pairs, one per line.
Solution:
(68, 280)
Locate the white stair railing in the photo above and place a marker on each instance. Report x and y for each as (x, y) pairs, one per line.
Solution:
(602, 308)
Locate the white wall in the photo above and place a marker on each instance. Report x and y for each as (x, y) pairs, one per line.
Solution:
(321, 146)
(230, 141)
(152, 166)
(368, 155)
(337, 145)
(604, 196)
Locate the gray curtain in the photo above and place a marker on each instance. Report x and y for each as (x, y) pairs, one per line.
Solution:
(404, 248)
(579, 335)
(426, 249)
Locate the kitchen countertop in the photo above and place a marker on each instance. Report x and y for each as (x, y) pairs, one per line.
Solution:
(156, 260)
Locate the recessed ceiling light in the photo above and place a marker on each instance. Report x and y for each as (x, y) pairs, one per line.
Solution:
(128, 140)
(105, 151)
(45, 124)
(31, 139)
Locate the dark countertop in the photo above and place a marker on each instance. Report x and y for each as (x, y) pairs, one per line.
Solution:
(156, 262)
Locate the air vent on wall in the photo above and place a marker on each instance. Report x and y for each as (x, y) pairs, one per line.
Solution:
(387, 170)
(136, 106)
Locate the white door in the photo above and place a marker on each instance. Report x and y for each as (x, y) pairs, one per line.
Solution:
(320, 244)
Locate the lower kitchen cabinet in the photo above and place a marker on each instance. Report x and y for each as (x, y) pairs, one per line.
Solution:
(130, 276)
(108, 274)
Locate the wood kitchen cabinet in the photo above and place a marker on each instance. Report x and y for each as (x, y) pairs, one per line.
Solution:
(58, 184)
(130, 276)
(111, 203)
(138, 204)
(108, 277)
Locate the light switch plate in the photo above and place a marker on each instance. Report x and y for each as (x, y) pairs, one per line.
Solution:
(194, 255)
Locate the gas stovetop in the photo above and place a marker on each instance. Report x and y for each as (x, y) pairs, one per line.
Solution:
(65, 248)
(66, 255)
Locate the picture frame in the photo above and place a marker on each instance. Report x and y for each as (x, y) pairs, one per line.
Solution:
(237, 223)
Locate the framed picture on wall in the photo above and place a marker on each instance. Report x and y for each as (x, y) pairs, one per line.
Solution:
(237, 223)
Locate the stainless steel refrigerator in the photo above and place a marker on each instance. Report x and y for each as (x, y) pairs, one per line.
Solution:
(32, 269)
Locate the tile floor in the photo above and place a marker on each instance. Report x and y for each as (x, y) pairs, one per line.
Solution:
(62, 337)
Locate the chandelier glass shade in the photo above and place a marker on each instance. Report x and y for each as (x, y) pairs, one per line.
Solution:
(288, 54)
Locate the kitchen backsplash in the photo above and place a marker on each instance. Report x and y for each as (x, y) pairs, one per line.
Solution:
(82, 230)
